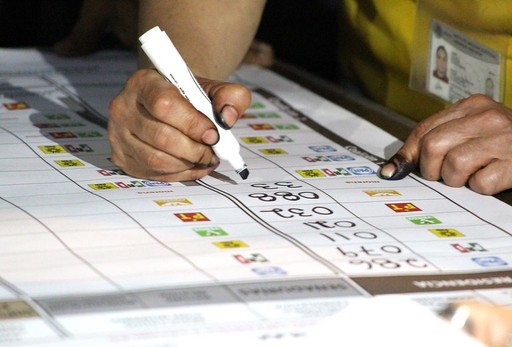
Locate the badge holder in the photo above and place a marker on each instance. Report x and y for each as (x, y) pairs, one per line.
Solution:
(451, 60)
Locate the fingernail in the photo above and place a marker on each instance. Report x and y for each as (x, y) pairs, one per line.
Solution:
(210, 137)
(396, 168)
(227, 117)
(387, 171)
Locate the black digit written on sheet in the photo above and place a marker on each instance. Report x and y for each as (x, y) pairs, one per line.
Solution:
(300, 212)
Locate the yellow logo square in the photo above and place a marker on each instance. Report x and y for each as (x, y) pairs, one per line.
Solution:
(52, 149)
(69, 163)
(310, 173)
(231, 244)
(446, 232)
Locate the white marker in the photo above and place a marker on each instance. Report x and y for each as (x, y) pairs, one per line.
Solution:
(168, 61)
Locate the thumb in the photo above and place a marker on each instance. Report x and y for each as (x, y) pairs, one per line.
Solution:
(404, 161)
(407, 158)
(230, 100)
(397, 167)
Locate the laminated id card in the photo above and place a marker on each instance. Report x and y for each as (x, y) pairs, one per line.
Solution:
(452, 61)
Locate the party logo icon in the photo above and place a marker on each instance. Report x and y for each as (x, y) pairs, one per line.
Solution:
(16, 106)
(401, 207)
(231, 244)
(446, 232)
(192, 217)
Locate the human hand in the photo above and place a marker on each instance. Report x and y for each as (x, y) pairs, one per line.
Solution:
(157, 134)
(490, 324)
(467, 143)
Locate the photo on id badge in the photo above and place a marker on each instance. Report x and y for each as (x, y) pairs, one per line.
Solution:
(460, 66)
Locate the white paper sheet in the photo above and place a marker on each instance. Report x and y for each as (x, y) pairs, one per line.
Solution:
(91, 256)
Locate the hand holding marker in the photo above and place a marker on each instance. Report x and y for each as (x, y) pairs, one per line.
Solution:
(167, 60)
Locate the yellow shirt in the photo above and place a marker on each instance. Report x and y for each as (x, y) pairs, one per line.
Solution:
(377, 41)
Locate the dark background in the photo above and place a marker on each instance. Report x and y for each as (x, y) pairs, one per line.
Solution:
(301, 32)
(36, 22)
(304, 33)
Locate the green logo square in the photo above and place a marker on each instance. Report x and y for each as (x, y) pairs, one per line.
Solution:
(424, 220)
(210, 231)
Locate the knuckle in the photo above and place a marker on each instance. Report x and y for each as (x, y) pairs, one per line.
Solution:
(475, 100)
(430, 175)
(116, 160)
(155, 161)
(196, 123)
(133, 82)
(120, 161)
(492, 117)
(478, 98)
(457, 162)
(162, 103)
(168, 106)
(240, 93)
(421, 127)
(453, 179)
(431, 146)
(203, 155)
(162, 137)
(491, 180)
(115, 108)
(420, 130)
(165, 101)
(482, 186)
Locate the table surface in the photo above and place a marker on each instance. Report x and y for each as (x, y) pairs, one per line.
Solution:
(383, 117)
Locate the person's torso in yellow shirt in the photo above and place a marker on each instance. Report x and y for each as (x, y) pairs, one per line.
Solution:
(377, 42)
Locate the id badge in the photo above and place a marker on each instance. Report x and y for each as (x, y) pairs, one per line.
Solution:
(451, 61)
(460, 66)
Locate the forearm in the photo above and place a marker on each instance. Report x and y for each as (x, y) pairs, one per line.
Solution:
(212, 36)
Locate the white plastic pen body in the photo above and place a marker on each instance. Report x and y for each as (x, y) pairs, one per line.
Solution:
(167, 60)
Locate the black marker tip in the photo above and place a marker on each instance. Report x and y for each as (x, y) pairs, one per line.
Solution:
(244, 173)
